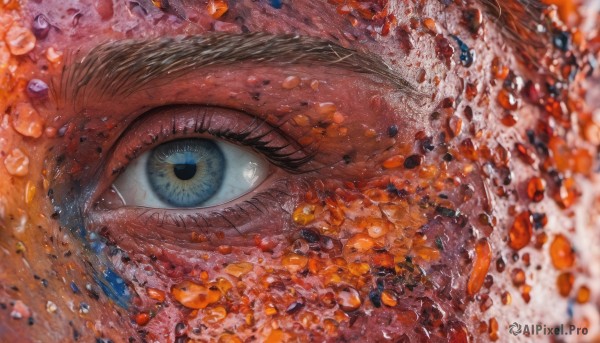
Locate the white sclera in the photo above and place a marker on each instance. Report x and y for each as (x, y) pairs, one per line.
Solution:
(244, 171)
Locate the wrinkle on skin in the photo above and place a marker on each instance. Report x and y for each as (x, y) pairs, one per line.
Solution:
(407, 231)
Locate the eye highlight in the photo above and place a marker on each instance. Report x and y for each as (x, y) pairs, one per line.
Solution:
(194, 172)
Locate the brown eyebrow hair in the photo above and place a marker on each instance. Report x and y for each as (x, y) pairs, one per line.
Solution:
(122, 67)
(519, 21)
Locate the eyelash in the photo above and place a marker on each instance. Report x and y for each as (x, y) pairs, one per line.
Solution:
(288, 161)
(175, 122)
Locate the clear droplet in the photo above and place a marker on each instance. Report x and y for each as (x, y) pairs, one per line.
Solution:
(20, 40)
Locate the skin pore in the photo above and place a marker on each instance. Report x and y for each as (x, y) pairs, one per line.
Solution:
(431, 171)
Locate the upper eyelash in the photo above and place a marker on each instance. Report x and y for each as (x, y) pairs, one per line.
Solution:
(284, 160)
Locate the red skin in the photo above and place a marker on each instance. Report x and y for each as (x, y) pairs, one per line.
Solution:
(449, 304)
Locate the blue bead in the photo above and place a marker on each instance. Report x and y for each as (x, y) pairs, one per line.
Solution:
(275, 3)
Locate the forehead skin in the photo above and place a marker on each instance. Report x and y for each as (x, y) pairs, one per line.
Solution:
(411, 244)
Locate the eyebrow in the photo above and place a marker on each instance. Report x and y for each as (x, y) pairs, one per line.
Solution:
(123, 67)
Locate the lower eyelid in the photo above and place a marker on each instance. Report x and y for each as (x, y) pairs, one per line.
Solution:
(263, 211)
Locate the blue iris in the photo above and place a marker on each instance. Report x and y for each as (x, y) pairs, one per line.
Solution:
(186, 173)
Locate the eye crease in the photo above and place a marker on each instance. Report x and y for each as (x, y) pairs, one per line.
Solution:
(195, 172)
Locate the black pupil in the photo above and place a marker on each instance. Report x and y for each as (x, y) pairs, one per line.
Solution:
(184, 171)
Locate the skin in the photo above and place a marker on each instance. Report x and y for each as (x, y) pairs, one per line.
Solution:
(380, 235)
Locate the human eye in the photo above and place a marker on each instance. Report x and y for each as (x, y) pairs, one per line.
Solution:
(193, 172)
(201, 163)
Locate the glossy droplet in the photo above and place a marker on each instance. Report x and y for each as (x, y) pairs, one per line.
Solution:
(142, 319)
(20, 310)
(509, 119)
(30, 190)
(53, 56)
(27, 121)
(393, 162)
(536, 188)
(360, 243)
(507, 100)
(229, 338)
(473, 19)
(51, 307)
(518, 277)
(19, 40)
(156, 294)
(506, 298)
(304, 214)
(521, 231)
(493, 329)
(239, 269)
(195, 296)
(468, 149)
(564, 283)
(326, 108)
(216, 8)
(214, 315)
(483, 257)
(17, 163)
(388, 298)
(294, 262)
(276, 336)
(37, 89)
(430, 25)
(290, 82)
(359, 269)
(40, 26)
(562, 253)
(567, 193)
(583, 294)
(348, 299)
(455, 124)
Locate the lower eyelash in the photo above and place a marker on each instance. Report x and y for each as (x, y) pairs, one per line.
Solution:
(266, 204)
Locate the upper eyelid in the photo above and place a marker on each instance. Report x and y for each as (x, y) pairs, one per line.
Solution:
(120, 68)
(111, 169)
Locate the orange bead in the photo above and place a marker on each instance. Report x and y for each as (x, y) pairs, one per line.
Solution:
(294, 262)
(564, 283)
(348, 299)
(562, 253)
(195, 296)
(290, 82)
(521, 231)
(583, 295)
(536, 188)
(509, 119)
(239, 269)
(468, 149)
(360, 243)
(389, 299)
(155, 294)
(393, 162)
(304, 214)
(142, 318)
(493, 329)
(483, 257)
(216, 8)
(507, 100)
(455, 124)
(430, 25)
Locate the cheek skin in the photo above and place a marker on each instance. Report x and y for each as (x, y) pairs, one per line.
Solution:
(448, 222)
